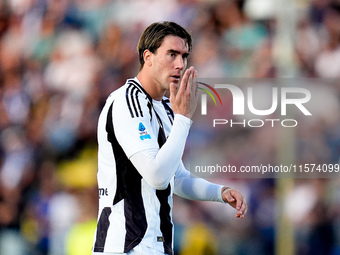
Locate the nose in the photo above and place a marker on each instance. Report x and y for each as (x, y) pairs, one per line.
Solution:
(180, 63)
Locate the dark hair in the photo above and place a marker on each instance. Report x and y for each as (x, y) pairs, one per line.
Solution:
(153, 36)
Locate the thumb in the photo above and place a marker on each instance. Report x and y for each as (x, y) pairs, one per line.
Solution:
(173, 89)
(227, 196)
(230, 198)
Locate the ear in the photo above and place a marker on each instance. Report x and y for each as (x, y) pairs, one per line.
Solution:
(147, 55)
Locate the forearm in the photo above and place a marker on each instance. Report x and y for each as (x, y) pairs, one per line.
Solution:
(195, 188)
(158, 166)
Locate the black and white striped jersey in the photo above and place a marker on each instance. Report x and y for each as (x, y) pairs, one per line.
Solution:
(130, 210)
(135, 206)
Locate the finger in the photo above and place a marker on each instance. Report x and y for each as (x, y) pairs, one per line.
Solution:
(243, 210)
(184, 81)
(244, 207)
(173, 89)
(194, 84)
(239, 215)
(239, 199)
(238, 204)
(229, 197)
(189, 83)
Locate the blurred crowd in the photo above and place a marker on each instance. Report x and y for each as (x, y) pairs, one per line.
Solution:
(60, 59)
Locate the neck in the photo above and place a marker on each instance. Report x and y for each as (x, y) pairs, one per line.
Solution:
(151, 86)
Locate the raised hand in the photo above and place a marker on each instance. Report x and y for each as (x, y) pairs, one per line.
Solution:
(184, 99)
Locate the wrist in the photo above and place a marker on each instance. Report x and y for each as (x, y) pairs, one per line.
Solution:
(183, 119)
(224, 189)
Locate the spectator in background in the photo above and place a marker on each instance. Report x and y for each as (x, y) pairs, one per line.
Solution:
(240, 38)
(327, 64)
(31, 129)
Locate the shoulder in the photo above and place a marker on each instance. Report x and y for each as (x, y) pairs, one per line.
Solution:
(127, 93)
(130, 99)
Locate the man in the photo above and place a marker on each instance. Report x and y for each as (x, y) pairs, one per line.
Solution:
(141, 143)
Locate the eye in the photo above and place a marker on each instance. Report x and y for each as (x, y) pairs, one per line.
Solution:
(172, 55)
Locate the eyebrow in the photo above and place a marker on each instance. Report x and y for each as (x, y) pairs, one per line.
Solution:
(185, 55)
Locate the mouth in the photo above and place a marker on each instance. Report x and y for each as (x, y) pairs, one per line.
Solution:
(176, 78)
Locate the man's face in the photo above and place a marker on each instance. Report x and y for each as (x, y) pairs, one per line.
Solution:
(169, 61)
